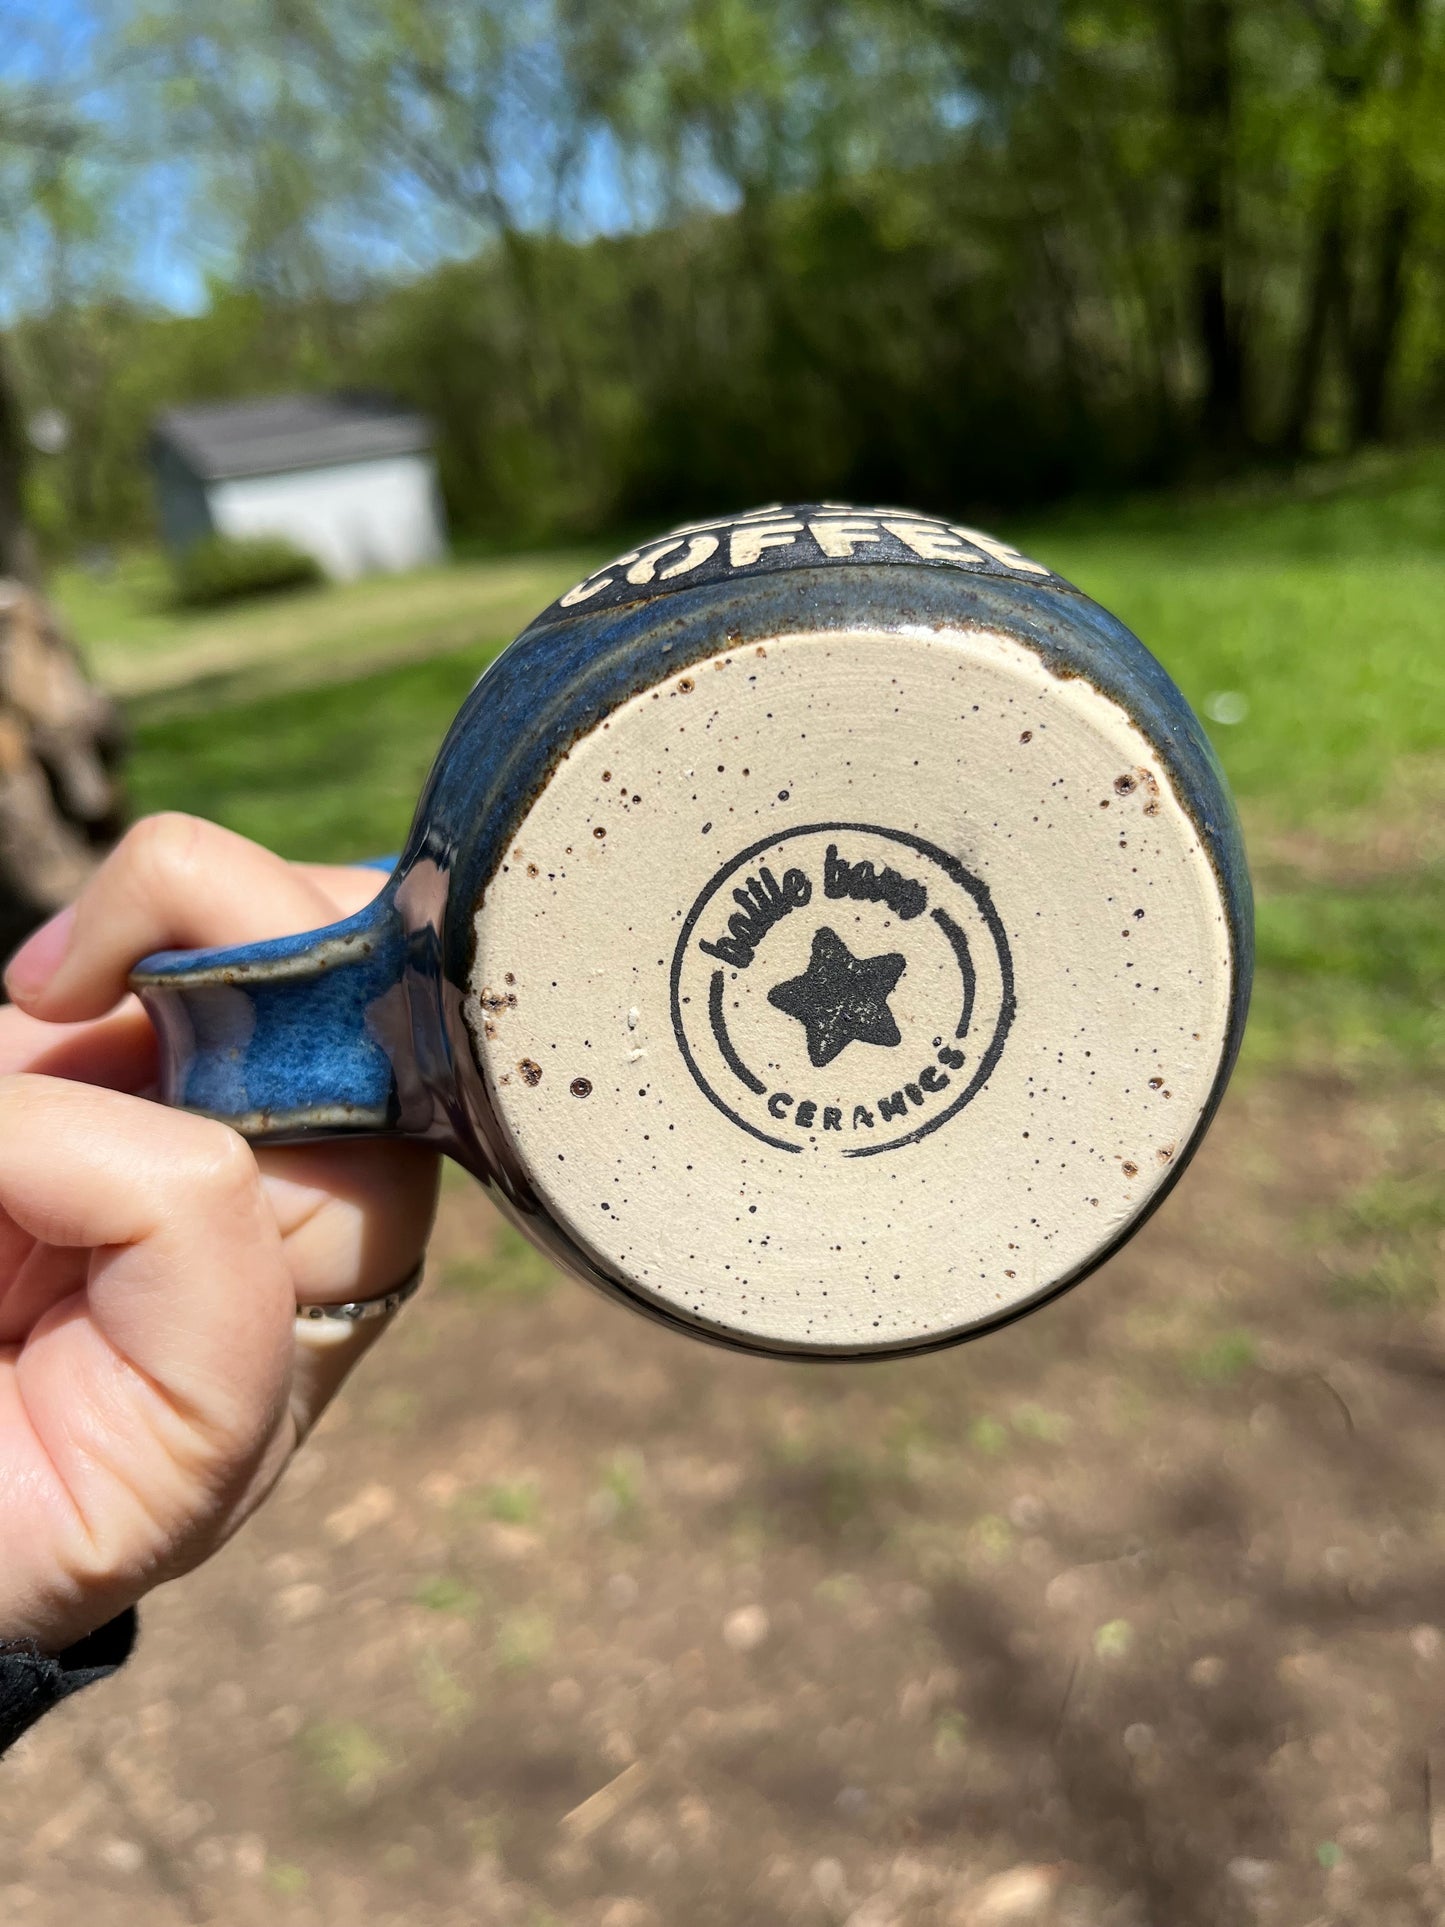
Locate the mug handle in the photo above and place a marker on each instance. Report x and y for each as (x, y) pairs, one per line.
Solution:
(289, 1038)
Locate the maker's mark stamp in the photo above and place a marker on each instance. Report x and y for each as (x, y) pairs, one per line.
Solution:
(842, 988)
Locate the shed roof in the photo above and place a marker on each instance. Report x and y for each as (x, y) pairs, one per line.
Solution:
(220, 440)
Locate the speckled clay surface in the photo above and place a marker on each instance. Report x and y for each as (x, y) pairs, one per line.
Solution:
(825, 929)
(859, 1201)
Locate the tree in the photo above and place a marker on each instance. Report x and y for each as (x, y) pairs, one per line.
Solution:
(641, 256)
(1200, 38)
(19, 557)
(1378, 309)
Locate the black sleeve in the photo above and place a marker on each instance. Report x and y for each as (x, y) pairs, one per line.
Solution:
(31, 1682)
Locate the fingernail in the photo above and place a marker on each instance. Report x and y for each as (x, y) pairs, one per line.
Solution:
(39, 957)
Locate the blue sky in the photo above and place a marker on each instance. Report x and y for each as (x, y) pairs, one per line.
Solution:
(54, 50)
(164, 239)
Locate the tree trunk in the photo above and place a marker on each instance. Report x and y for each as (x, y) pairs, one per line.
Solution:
(1376, 335)
(18, 555)
(60, 748)
(1200, 34)
(1326, 303)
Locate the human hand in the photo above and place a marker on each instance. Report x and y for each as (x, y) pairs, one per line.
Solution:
(152, 1387)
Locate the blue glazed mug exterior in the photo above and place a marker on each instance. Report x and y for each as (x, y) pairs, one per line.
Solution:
(376, 1025)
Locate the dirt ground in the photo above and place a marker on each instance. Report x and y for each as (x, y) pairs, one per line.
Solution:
(1130, 1616)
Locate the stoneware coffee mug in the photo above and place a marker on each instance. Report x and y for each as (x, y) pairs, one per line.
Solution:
(824, 928)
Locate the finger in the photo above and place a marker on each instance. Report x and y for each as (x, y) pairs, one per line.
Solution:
(145, 1411)
(190, 1284)
(350, 886)
(16, 1244)
(117, 1051)
(34, 1278)
(173, 882)
(354, 1217)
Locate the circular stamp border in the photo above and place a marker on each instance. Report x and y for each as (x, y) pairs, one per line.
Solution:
(951, 868)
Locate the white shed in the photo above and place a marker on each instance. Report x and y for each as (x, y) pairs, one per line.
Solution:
(349, 478)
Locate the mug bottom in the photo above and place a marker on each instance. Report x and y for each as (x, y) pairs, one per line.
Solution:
(855, 991)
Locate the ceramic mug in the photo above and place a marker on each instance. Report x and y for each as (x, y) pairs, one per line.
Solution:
(824, 928)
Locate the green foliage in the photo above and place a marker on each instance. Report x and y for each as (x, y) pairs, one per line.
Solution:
(224, 568)
(992, 1537)
(950, 1735)
(1394, 1204)
(1223, 1359)
(1383, 1244)
(1045, 1428)
(1386, 935)
(988, 1437)
(840, 1590)
(1347, 1008)
(287, 1879)
(445, 1594)
(513, 1503)
(665, 255)
(621, 1487)
(523, 1640)
(1394, 1281)
(1114, 1639)
(344, 1755)
(447, 1699)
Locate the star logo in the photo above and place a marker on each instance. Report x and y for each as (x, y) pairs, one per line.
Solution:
(793, 950)
(841, 999)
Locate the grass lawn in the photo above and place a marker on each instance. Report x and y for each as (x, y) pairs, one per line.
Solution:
(140, 643)
(1312, 614)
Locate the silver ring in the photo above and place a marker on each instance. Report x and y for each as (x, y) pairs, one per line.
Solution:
(358, 1310)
